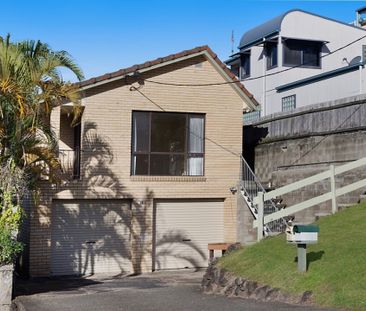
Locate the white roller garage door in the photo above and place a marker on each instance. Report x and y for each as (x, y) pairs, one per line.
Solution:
(90, 237)
(183, 230)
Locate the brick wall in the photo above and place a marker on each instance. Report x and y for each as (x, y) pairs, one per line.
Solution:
(106, 146)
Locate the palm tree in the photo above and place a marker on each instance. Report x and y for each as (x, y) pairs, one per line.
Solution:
(31, 85)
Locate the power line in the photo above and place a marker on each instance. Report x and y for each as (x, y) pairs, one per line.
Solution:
(258, 77)
(133, 88)
(327, 136)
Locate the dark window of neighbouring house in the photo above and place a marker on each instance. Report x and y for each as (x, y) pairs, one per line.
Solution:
(244, 66)
(288, 103)
(167, 144)
(271, 54)
(301, 53)
(235, 69)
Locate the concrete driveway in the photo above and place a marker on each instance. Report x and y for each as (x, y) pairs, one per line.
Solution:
(175, 290)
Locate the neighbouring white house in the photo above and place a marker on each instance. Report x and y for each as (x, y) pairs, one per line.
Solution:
(299, 59)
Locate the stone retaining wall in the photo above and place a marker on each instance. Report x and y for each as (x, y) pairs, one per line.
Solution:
(219, 281)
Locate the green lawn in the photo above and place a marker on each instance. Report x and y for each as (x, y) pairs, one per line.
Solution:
(337, 264)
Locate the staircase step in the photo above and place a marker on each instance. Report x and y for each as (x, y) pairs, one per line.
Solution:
(281, 205)
(289, 218)
(277, 200)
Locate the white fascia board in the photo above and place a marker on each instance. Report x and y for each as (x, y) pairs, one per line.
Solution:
(142, 70)
(247, 100)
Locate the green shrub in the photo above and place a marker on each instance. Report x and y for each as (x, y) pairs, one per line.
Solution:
(9, 247)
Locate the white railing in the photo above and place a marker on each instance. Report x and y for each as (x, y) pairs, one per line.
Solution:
(259, 200)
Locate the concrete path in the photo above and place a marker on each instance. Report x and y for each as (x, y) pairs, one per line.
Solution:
(178, 291)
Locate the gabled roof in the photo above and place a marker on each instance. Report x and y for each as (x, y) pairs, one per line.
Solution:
(162, 61)
(273, 27)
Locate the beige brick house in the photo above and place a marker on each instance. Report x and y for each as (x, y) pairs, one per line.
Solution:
(151, 166)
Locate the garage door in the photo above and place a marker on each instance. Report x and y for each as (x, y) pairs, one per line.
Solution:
(183, 230)
(90, 237)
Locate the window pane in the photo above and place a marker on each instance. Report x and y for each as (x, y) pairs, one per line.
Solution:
(168, 132)
(140, 136)
(274, 55)
(288, 103)
(271, 51)
(235, 69)
(245, 65)
(168, 165)
(140, 164)
(195, 166)
(195, 140)
(292, 53)
(311, 56)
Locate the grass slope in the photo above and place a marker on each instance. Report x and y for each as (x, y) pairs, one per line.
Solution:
(337, 264)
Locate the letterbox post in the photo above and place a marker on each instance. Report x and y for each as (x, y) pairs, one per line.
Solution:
(301, 257)
(301, 235)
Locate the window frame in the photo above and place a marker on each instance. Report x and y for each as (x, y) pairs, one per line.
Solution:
(236, 72)
(185, 153)
(286, 97)
(304, 44)
(269, 47)
(242, 73)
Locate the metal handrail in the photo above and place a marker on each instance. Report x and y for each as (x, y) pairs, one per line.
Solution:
(251, 186)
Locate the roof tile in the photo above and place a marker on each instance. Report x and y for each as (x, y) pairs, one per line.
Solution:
(160, 60)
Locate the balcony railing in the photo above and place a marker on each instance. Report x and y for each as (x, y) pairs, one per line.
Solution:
(70, 162)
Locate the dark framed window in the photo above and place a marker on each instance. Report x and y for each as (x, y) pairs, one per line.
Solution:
(288, 103)
(244, 66)
(167, 144)
(271, 54)
(235, 69)
(301, 53)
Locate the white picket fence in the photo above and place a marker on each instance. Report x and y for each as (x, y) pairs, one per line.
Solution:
(332, 195)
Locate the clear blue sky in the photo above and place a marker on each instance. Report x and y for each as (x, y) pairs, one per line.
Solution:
(104, 36)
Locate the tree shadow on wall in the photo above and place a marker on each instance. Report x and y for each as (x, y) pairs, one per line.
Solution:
(174, 246)
(102, 224)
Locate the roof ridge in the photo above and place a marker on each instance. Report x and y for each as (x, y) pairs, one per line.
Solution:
(121, 72)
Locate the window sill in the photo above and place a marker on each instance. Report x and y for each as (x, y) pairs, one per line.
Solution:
(302, 66)
(272, 67)
(169, 178)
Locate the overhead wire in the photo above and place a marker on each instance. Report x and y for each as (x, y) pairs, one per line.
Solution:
(133, 88)
(258, 77)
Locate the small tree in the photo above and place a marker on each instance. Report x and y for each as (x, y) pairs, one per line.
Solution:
(13, 187)
(31, 85)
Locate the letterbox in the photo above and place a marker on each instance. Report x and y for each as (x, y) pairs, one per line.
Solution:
(302, 234)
